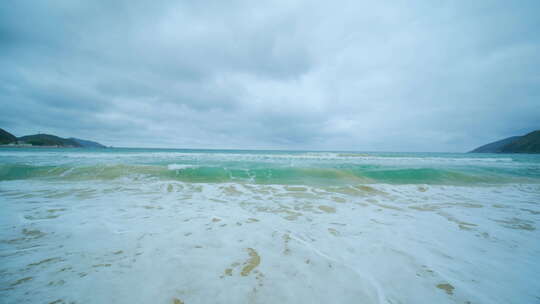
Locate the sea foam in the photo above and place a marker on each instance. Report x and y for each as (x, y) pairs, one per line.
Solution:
(180, 166)
(94, 230)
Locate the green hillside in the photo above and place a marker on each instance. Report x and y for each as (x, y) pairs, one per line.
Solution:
(48, 140)
(6, 137)
(529, 143)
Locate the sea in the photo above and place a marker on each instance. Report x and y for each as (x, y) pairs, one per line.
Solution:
(232, 226)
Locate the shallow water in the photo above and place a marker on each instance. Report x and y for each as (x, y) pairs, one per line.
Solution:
(195, 226)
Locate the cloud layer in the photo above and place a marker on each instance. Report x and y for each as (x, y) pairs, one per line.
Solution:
(354, 75)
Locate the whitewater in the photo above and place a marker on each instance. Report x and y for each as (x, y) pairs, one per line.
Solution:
(231, 226)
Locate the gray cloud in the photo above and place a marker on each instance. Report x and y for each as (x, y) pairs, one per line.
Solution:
(405, 76)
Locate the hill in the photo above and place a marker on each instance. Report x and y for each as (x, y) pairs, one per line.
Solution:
(48, 140)
(529, 143)
(495, 147)
(6, 137)
(87, 143)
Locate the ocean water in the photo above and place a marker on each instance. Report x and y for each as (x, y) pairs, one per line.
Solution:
(209, 226)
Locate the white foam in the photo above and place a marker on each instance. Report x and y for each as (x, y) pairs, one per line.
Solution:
(97, 241)
(383, 244)
(180, 166)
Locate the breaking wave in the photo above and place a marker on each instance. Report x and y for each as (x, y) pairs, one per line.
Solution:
(264, 174)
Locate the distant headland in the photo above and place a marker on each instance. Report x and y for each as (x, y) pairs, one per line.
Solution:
(528, 143)
(45, 141)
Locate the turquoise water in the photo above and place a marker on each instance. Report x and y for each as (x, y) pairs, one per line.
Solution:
(229, 226)
(269, 167)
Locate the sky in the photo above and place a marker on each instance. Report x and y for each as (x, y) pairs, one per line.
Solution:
(394, 75)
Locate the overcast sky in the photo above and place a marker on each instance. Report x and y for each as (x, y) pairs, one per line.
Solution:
(330, 75)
